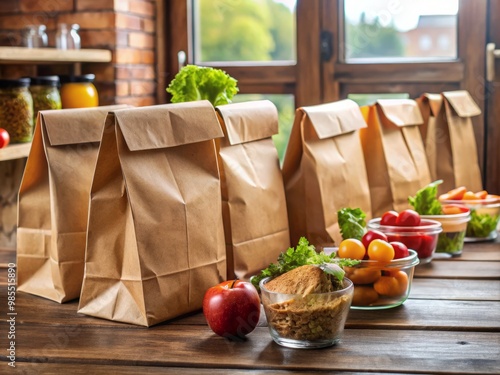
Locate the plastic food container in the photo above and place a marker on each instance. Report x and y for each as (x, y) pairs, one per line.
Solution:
(382, 285)
(16, 109)
(484, 218)
(451, 239)
(311, 321)
(423, 239)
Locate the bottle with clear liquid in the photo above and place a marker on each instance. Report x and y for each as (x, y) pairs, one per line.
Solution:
(67, 38)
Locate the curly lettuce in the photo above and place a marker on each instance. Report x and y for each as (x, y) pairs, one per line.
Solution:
(426, 202)
(198, 83)
(302, 255)
(351, 223)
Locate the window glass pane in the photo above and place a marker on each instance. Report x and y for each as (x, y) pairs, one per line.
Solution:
(244, 30)
(400, 29)
(369, 99)
(286, 112)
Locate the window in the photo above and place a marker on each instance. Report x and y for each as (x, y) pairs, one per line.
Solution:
(403, 29)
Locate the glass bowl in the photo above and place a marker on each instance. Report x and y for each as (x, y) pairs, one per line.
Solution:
(423, 239)
(310, 321)
(451, 239)
(382, 285)
(484, 218)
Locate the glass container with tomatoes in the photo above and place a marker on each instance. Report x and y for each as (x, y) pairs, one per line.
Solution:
(422, 238)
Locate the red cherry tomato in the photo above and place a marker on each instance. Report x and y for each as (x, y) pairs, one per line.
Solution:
(427, 246)
(400, 250)
(408, 218)
(389, 218)
(372, 235)
(412, 241)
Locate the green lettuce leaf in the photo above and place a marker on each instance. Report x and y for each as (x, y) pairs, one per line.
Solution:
(198, 83)
(351, 223)
(426, 202)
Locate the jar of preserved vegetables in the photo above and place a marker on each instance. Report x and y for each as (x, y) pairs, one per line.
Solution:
(16, 109)
(45, 94)
(78, 91)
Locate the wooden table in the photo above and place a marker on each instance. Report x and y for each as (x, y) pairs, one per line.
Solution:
(449, 325)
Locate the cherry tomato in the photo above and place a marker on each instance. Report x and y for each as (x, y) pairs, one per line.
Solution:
(412, 242)
(408, 218)
(4, 138)
(380, 250)
(427, 246)
(402, 279)
(389, 218)
(364, 295)
(387, 286)
(363, 275)
(400, 250)
(372, 235)
(351, 248)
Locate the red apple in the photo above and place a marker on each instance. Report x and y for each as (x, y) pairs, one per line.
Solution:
(232, 308)
(4, 138)
(400, 250)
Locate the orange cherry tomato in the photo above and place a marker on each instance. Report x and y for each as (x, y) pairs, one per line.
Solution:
(364, 295)
(362, 275)
(387, 286)
(351, 248)
(380, 250)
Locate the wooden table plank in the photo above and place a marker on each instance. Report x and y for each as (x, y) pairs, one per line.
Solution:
(85, 369)
(455, 289)
(169, 345)
(7, 256)
(415, 313)
(459, 270)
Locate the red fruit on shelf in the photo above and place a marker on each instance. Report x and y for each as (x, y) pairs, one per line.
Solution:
(4, 138)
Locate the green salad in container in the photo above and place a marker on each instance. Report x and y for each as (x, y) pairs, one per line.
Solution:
(453, 218)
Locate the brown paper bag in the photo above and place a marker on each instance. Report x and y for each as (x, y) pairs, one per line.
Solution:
(324, 170)
(394, 153)
(450, 141)
(155, 235)
(253, 196)
(53, 202)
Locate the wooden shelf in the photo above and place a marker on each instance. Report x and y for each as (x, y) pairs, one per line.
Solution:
(23, 55)
(15, 151)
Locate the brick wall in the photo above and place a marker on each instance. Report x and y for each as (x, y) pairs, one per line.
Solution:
(126, 27)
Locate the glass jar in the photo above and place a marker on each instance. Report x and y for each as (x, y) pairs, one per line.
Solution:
(67, 38)
(78, 91)
(35, 36)
(45, 94)
(16, 109)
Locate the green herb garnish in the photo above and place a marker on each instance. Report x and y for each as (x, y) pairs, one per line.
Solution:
(426, 202)
(481, 225)
(302, 255)
(197, 83)
(351, 223)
